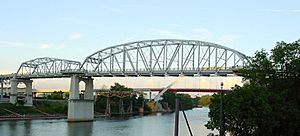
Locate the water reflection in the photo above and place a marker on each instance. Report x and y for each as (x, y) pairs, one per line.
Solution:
(27, 127)
(12, 128)
(148, 125)
(80, 128)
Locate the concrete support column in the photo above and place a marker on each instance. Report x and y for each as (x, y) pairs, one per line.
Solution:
(89, 89)
(81, 109)
(2, 86)
(13, 91)
(74, 88)
(28, 100)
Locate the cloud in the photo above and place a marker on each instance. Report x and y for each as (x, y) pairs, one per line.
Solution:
(272, 10)
(11, 44)
(227, 39)
(132, 6)
(51, 46)
(203, 34)
(281, 10)
(296, 10)
(76, 36)
(43, 46)
(176, 25)
(113, 9)
(7, 72)
(129, 38)
(171, 34)
(197, 34)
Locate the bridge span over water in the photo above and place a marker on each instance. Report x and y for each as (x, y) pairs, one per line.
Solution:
(163, 57)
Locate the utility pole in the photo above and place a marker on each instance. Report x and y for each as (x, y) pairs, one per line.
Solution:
(177, 108)
(221, 112)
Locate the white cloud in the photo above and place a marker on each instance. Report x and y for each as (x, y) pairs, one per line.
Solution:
(272, 10)
(11, 44)
(6, 72)
(51, 46)
(203, 34)
(170, 34)
(296, 10)
(129, 39)
(132, 6)
(227, 39)
(197, 34)
(44, 46)
(176, 25)
(76, 35)
(113, 9)
(281, 10)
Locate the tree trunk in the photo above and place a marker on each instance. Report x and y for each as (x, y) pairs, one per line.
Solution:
(121, 108)
(108, 111)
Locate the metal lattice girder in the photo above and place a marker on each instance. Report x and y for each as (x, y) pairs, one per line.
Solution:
(164, 57)
(46, 67)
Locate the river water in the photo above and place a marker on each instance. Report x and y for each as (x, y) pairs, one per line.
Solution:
(149, 125)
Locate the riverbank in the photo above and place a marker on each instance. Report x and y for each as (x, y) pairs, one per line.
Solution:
(39, 110)
(49, 110)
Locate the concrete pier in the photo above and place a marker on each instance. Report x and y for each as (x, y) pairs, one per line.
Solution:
(81, 109)
(28, 93)
(13, 91)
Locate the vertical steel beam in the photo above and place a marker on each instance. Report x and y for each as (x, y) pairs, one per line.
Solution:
(151, 50)
(209, 54)
(124, 59)
(164, 58)
(193, 63)
(137, 58)
(198, 58)
(177, 108)
(181, 58)
(226, 59)
(216, 58)
(110, 59)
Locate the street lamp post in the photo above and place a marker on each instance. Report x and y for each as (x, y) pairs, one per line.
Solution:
(221, 111)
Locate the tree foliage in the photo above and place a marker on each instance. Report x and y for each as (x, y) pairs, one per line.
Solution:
(186, 101)
(205, 100)
(58, 95)
(268, 104)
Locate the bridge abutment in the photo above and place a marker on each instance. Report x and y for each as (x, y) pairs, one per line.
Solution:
(81, 109)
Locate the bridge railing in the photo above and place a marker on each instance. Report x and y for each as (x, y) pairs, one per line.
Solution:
(170, 69)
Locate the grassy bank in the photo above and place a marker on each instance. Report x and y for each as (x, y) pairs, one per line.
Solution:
(39, 108)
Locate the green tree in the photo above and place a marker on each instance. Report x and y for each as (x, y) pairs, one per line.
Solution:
(268, 105)
(56, 95)
(169, 97)
(204, 100)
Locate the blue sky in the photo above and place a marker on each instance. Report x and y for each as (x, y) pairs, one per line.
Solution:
(75, 29)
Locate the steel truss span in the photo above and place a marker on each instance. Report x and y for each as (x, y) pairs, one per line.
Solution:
(46, 67)
(166, 57)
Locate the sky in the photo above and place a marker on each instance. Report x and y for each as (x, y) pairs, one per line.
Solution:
(73, 29)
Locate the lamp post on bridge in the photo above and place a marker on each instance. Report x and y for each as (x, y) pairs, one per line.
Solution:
(221, 112)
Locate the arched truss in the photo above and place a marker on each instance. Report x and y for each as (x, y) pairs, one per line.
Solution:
(46, 67)
(164, 57)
